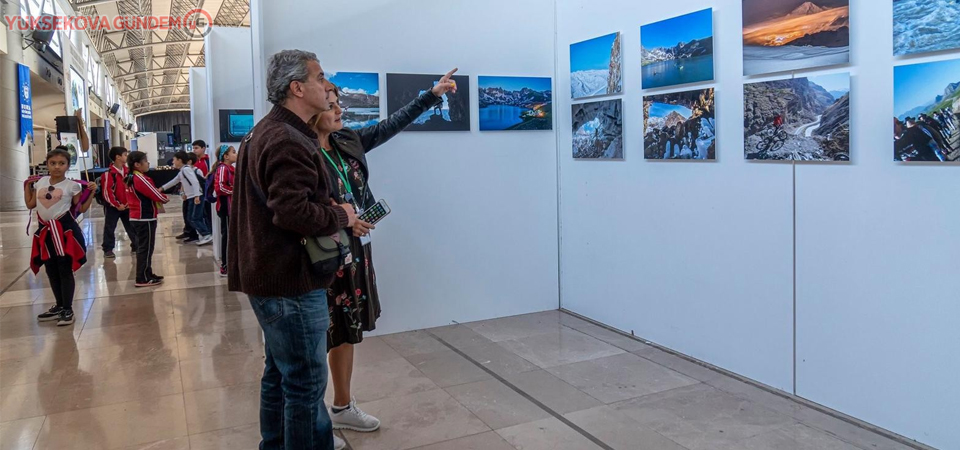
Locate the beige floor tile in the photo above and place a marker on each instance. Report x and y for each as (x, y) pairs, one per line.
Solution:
(221, 343)
(517, 327)
(619, 431)
(221, 371)
(547, 434)
(115, 426)
(180, 443)
(553, 392)
(482, 441)
(219, 408)
(496, 404)
(388, 378)
(556, 349)
(20, 434)
(447, 368)
(373, 349)
(118, 383)
(25, 401)
(243, 437)
(416, 420)
(620, 377)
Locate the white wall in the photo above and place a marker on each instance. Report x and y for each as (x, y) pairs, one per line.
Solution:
(693, 256)
(473, 233)
(877, 293)
(229, 64)
(200, 106)
(229, 85)
(699, 257)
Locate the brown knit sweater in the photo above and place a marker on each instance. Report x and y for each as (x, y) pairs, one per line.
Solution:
(267, 258)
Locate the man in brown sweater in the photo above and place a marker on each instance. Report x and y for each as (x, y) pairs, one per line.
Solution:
(281, 194)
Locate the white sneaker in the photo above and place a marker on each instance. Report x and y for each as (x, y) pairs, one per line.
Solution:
(204, 240)
(354, 419)
(338, 444)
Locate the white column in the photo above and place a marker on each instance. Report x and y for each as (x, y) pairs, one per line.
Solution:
(14, 158)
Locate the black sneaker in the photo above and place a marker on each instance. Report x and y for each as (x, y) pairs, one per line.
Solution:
(223, 271)
(191, 239)
(66, 318)
(182, 236)
(109, 255)
(148, 283)
(156, 277)
(52, 314)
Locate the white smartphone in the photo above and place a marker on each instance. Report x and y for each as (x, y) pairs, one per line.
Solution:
(376, 213)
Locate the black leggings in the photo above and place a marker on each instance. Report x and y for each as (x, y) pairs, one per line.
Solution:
(146, 242)
(60, 272)
(224, 215)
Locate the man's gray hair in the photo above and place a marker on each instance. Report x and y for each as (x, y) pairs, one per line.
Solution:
(284, 68)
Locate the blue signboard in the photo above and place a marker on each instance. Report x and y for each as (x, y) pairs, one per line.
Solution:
(26, 103)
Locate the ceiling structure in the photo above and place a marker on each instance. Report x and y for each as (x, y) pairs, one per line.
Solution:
(151, 68)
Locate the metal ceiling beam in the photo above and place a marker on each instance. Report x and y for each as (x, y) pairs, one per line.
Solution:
(155, 56)
(160, 111)
(150, 44)
(153, 87)
(144, 72)
(164, 107)
(77, 4)
(154, 97)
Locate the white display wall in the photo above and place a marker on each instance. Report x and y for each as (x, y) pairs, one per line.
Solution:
(229, 64)
(877, 299)
(200, 106)
(473, 233)
(229, 85)
(699, 257)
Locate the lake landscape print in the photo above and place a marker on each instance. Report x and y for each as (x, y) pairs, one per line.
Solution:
(678, 50)
(360, 94)
(515, 103)
(784, 35)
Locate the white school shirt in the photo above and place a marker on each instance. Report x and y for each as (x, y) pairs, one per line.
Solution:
(188, 182)
(61, 197)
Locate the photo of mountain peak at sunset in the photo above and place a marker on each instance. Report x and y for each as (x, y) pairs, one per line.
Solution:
(784, 35)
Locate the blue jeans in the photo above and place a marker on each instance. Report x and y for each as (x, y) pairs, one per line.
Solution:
(195, 214)
(292, 413)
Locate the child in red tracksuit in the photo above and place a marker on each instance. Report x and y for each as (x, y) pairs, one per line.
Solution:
(223, 174)
(144, 200)
(58, 243)
(115, 195)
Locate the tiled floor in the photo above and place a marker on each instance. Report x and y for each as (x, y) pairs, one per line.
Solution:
(178, 368)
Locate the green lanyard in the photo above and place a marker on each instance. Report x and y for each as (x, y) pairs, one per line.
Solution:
(342, 170)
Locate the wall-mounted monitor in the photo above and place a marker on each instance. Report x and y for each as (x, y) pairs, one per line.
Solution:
(235, 124)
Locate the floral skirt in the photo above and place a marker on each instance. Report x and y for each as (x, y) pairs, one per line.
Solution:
(353, 299)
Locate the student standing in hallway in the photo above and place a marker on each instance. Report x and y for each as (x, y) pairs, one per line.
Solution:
(58, 243)
(144, 200)
(193, 191)
(223, 176)
(116, 209)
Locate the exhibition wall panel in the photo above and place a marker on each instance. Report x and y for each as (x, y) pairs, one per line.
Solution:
(229, 63)
(877, 296)
(695, 256)
(199, 105)
(228, 74)
(473, 232)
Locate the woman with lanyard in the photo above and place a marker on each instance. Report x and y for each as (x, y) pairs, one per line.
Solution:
(353, 299)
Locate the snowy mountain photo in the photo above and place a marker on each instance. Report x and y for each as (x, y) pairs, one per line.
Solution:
(598, 130)
(595, 67)
(515, 103)
(784, 35)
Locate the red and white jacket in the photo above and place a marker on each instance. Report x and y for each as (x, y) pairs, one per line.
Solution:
(223, 185)
(203, 163)
(144, 198)
(112, 186)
